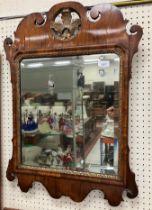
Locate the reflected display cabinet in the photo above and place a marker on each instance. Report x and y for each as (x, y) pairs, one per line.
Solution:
(70, 71)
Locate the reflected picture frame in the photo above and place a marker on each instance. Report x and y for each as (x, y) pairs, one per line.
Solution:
(102, 72)
(101, 30)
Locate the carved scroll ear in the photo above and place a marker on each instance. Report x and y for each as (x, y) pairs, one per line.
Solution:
(134, 39)
(8, 46)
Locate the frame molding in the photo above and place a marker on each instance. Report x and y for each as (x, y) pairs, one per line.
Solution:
(34, 38)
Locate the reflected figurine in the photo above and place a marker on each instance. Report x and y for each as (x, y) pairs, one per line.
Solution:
(30, 125)
(30, 130)
(55, 121)
(108, 128)
(51, 121)
(67, 157)
(107, 136)
(61, 122)
(80, 82)
(51, 85)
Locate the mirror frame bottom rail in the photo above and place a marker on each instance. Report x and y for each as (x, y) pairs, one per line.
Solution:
(104, 31)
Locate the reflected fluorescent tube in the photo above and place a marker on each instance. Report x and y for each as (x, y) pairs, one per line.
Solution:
(62, 63)
(89, 61)
(34, 65)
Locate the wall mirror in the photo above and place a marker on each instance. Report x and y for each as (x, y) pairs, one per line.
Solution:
(70, 75)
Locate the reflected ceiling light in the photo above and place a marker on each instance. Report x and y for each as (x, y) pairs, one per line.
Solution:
(62, 63)
(89, 61)
(34, 65)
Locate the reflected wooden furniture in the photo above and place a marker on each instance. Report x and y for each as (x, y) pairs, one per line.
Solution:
(87, 142)
(108, 154)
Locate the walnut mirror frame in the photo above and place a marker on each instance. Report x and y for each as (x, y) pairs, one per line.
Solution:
(70, 30)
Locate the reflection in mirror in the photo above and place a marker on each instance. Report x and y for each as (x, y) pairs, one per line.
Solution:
(69, 113)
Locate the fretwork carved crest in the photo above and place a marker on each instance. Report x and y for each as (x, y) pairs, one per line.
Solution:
(66, 25)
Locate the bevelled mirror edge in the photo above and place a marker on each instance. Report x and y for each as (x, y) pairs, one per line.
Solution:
(78, 36)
